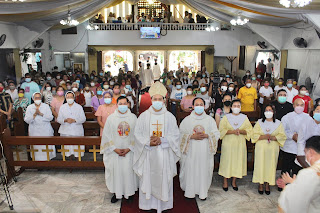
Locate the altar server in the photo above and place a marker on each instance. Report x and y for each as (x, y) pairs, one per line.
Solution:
(117, 145)
(235, 128)
(268, 134)
(156, 152)
(199, 138)
(71, 117)
(38, 116)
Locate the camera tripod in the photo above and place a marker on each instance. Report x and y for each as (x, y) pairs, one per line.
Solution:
(4, 183)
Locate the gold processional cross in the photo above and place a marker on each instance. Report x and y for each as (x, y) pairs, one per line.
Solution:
(157, 133)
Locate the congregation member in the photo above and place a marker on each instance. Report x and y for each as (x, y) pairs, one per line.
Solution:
(280, 86)
(156, 152)
(303, 95)
(301, 193)
(105, 110)
(282, 106)
(50, 80)
(198, 143)
(248, 97)
(57, 101)
(117, 147)
(204, 94)
(93, 87)
(293, 123)
(22, 102)
(186, 101)
(235, 129)
(5, 103)
(226, 109)
(38, 116)
(30, 87)
(116, 93)
(176, 96)
(222, 90)
(88, 94)
(71, 118)
(268, 135)
(291, 92)
(98, 99)
(254, 82)
(12, 91)
(79, 97)
(265, 92)
(46, 93)
(232, 91)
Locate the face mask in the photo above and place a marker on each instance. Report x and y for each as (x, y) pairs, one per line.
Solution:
(298, 109)
(48, 78)
(289, 85)
(99, 92)
(74, 89)
(1, 89)
(236, 110)
(70, 101)
(189, 92)
(227, 103)
(123, 108)
(37, 102)
(107, 100)
(227, 76)
(116, 91)
(54, 92)
(78, 81)
(224, 88)
(101, 74)
(280, 83)
(157, 105)
(48, 88)
(316, 116)
(92, 84)
(266, 84)
(124, 95)
(111, 83)
(123, 84)
(195, 86)
(128, 86)
(231, 89)
(282, 99)
(253, 78)
(58, 77)
(70, 73)
(12, 87)
(199, 109)
(203, 76)
(105, 86)
(178, 86)
(268, 114)
(60, 93)
(21, 95)
(203, 89)
(248, 85)
(247, 74)
(294, 83)
(28, 80)
(92, 77)
(303, 92)
(87, 88)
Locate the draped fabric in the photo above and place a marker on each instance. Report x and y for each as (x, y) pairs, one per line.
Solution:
(41, 13)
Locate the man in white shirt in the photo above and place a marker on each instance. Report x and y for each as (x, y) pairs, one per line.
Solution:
(291, 92)
(176, 96)
(156, 70)
(265, 91)
(269, 68)
(147, 77)
(186, 17)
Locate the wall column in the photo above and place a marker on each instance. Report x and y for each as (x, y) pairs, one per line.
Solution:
(283, 62)
(17, 64)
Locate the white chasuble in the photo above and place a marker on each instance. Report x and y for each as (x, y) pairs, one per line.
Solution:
(118, 133)
(156, 166)
(41, 126)
(197, 160)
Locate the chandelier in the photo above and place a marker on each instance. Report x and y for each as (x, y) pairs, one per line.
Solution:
(69, 21)
(92, 27)
(212, 29)
(239, 20)
(295, 3)
(151, 1)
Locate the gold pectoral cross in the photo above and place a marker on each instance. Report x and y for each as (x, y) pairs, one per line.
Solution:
(157, 133)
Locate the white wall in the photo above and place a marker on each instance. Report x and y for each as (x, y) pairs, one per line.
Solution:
(12, 37)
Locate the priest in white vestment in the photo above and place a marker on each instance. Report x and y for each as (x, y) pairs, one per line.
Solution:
(38, 116)
(147, 76)
(199, 137)
(156, 70)
(302, 192)
(71, 117)
(156, 153)
(117, 147)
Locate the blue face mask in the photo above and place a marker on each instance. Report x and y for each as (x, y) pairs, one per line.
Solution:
(199, 109)
(99, 92)
(28, 80)
(316, 116)
(289, 85)
(157, 105)
(282, 99)
(128, 86)
(124, 95)
(107, 100)
(227, 76)
(123, 108)
(253, 78)
(78, 81)
(101, 74)
(203, 76)
(203, 89)
(178, 86)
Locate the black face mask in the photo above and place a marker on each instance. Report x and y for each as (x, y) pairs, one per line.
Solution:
(227, 103)
(195, 86)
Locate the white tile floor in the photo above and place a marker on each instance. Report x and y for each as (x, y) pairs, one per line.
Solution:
(85, 191)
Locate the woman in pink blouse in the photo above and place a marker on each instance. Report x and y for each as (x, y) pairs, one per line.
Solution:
(186, 102)
(57, 101)
(105, 110)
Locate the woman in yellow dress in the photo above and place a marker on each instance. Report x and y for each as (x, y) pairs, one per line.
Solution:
(235, 129)
(268, 134)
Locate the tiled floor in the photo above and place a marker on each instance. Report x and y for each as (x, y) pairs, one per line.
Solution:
(85, 191)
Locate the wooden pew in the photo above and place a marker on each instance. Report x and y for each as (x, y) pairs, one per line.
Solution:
(88, 109)
(91, 128)
(90, 116)
(18, 122)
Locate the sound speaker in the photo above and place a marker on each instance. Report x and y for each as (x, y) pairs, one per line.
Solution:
(242, 57)
(290, 74)
(69, 31)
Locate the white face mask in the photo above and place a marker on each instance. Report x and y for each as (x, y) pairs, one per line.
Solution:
(189, 92)
(70, 101)
(48, 88)
(74, 89)
(224, 88)
(58, 77)
(92, 84)
(268, 114)
(303, 92)
(236, 110)
(37, 102)
(248, 85)
(231, 89)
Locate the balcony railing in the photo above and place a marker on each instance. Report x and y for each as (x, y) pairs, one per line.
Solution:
(163, 26)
